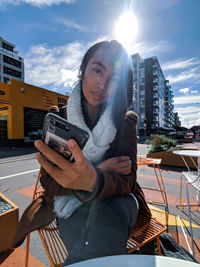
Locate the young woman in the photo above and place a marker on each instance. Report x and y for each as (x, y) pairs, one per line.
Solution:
(96, 199)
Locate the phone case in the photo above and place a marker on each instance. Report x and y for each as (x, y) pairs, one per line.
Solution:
(56, 131)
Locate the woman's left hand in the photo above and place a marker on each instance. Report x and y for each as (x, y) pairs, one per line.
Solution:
(80, 175)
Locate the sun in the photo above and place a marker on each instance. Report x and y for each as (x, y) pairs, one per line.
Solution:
(126, 29)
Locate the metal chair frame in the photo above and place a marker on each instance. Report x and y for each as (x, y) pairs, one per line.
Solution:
(193, 179)
(155, 163)
(139, 238)
(50, 237)
(57, 252)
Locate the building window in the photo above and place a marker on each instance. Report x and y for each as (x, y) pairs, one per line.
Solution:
(142, 65)
(142, 110)
(12, 61)
(142, 116)
(12, 72)
(142, 90)
(142, 93)
(142, 102)
(142, 72)
(5, 80)
(142, 80)
(7, 47)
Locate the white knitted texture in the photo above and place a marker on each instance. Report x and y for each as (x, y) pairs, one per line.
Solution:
(102, 134)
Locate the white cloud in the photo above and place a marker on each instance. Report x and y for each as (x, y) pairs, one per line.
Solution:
(194, 116)
(149, 49)
(180, 100)
(72, 25)
(55, 68)
(188, 123)
(194, 92)
(189, 113)
(184, 91)
(190, 119)
(180, 63)
(191, 74)
(36, 3)
(187, 109)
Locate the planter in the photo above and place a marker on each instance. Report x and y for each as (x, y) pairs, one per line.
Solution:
(185, 140)
(9, 217)
(170, 159)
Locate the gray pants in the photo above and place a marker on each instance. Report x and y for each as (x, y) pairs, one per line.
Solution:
(98, 229)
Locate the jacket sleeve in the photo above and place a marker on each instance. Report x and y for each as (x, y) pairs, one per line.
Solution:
(51, 187)
(111, 183)
(124, 145)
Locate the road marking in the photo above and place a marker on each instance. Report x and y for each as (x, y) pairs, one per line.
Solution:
(168, 218)
(17, 174)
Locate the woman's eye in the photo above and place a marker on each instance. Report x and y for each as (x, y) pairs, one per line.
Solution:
(97, 70)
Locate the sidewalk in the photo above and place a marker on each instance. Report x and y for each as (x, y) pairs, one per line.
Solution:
(12, 152)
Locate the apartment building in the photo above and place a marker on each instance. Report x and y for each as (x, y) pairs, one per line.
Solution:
(11, 64)
(153, 97)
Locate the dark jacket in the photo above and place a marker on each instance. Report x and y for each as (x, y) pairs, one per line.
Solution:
(40, 212)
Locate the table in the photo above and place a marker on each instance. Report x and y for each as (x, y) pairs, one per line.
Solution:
(188, 153)
(135, 261)
(155, 162)
(192, 178)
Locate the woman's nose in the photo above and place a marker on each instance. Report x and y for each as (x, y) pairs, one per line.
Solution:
(102, 83)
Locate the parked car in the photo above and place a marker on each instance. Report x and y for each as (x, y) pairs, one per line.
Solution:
(34, 135)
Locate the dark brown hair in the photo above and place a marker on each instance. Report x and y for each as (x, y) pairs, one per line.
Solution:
(123, 95)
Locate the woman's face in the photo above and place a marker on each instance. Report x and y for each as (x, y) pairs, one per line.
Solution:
(96, 80)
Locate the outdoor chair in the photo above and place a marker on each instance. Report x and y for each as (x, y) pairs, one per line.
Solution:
(144, 231)
(50, 237)
(189, 179)
(192, 179)
(141, 235)
(161, 186)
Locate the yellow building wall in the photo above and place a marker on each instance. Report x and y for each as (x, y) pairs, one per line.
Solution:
(19, 95)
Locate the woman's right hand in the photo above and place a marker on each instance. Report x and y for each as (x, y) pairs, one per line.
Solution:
(121, 165)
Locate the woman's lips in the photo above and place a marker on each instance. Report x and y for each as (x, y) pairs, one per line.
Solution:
(97, 96)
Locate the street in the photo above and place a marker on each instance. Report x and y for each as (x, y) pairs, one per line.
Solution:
(18, 175)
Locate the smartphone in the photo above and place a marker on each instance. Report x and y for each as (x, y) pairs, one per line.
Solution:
(56, 131)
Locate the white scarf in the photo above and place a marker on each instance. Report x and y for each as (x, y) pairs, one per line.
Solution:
(99, 142)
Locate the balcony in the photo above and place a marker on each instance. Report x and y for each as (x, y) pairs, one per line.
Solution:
(155, 118)
(155, 80)
(155, 111)
(155, 103)
(155, 88)
(156, 95)
(155, 72)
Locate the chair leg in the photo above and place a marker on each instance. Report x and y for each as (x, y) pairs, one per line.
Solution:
(190, 218)
(27, 250)
(158, 245)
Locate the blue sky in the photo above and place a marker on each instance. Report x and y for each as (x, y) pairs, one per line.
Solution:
(52, 36)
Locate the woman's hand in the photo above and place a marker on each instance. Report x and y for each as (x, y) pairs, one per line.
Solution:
(120, 165)
(80, 175)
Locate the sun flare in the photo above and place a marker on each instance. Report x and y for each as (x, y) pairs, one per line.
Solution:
(126, 29)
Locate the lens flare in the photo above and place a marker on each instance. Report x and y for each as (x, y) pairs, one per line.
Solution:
(126, 29)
